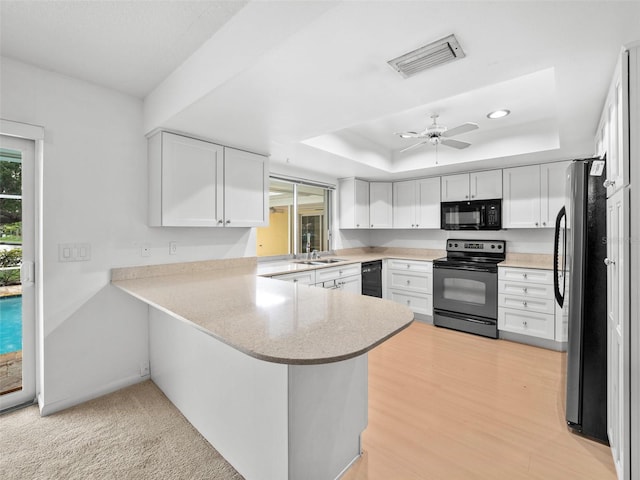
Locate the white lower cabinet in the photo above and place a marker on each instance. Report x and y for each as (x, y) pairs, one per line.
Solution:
(346, 277)
(410, 282)
(304, 278)
(526, 303)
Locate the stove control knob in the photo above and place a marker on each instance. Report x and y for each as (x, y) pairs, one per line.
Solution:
(499, 247)
(493, 246)
(455, 245)
(450, 244)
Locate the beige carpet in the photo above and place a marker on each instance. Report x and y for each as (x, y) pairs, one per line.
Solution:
(135, 433)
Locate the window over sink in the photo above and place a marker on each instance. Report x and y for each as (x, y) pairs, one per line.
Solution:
(299, 218)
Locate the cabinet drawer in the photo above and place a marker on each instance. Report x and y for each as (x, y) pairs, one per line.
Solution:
(535, 304)
(528, 323)
(410, 265)
(526, 275)
(305, 278)
(410, 281)
(419, 303)
(525, 289)
(324, 274)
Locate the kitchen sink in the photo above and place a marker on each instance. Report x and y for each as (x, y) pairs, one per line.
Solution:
(321, 261)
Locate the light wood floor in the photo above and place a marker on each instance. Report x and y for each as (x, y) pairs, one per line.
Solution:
(449, 405)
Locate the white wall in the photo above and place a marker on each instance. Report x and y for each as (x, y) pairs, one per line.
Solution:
(525, 240)
(95, 172)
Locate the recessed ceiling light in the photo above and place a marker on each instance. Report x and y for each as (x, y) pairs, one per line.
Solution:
(498, 114)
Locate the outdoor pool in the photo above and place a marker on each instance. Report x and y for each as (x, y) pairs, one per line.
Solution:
(10, 324)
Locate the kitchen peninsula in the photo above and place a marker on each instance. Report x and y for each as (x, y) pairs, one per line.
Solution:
(273, 374)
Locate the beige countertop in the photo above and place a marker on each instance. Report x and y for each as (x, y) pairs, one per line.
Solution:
(528, 260)
(268, 319)
(354, 255)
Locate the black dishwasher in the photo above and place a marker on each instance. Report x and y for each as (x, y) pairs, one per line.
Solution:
(372, 278)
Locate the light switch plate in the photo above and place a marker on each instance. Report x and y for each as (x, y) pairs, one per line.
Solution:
(74, 252)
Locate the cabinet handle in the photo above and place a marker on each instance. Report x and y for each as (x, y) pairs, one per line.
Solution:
(608, 262)
(473, 196)
(524, 290)
(524, 275)
(408, 302)
(295, 280)
(220, 222)
(408, 282)
(339, 272)
(466, 196)
(228, 222)
(608, 183)
(417, 225)
(372, 225)
(524, 323)
(357, 225)
(524, 304)
(536, 224)
(408, 265)
(544, 224)
(412, 225)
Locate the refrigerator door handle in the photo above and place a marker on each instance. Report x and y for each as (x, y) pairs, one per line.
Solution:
(556, 284)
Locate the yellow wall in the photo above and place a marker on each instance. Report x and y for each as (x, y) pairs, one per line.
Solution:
(274, 239)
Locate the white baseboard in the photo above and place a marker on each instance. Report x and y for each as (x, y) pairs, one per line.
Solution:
(53, 407)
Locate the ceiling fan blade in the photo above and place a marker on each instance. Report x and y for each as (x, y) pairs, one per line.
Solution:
(408, 134)
(411, 147)
(464, 128)
(450, 142)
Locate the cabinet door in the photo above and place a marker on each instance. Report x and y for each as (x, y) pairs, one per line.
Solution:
(351, 284)
(381, 204)
(404, 204)
(428, 203)
(354, 203)
(191, 182)
(246, 189)
(616, 116)
(553, 183)
(521, 205)
(455, 187)
(618, 329)
(485, 185)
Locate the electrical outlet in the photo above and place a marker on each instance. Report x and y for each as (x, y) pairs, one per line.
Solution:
(145, 250)
(173, 248)
(144, 369)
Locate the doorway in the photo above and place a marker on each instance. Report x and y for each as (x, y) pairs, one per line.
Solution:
(17, 273)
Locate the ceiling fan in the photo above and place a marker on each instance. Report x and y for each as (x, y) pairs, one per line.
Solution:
(439, 134)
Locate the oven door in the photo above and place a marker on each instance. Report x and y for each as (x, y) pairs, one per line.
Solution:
(467, 291)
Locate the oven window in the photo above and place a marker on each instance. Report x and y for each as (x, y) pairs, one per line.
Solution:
(465, 291)
(456, 217)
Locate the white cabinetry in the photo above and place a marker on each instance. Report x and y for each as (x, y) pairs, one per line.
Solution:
(308, 277)
(472, 186)
(346, 277)
(612, 135)
(533, 195)
(353, 203)
(526, 303)
(381, 204)
(410, 282)
(193, 183)
(416, 203)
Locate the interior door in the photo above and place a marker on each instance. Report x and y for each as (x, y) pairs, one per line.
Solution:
(17, 272)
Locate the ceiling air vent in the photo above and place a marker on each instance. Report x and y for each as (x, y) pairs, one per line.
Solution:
(431, 55)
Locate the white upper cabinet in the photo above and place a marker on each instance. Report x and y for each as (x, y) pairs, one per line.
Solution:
(381, 204)
(472, 186)
(553, 183)
(521, 206)
(455, 187)
(533, 195)
(416, 203)
(612, 138)
(191, 184)
(353, 203)
(246, 187)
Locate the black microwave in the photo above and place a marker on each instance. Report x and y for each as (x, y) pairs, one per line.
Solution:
(471, 215)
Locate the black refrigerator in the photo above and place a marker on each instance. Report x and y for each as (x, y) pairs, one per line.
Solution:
(580, 284)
